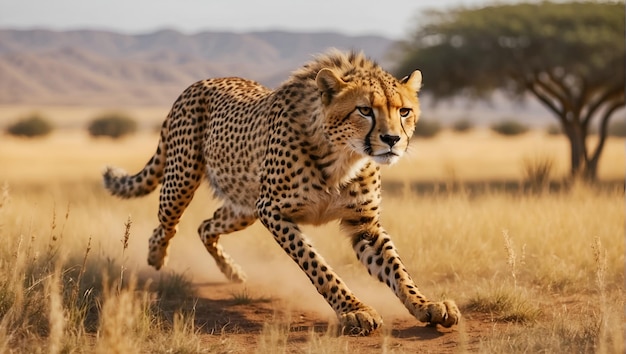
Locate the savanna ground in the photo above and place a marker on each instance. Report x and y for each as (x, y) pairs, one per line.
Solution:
(532, 270)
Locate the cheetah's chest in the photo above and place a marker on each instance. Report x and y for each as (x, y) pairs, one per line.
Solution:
(318, 209)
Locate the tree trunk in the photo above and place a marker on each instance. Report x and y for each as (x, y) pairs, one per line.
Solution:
(591, 170)
(576, 139)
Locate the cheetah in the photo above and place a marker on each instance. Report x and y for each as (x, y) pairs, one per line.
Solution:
(307, 152)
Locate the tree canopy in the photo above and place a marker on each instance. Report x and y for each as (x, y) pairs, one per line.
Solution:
(569, 55)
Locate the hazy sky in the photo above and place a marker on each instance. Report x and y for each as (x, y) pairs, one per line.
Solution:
(392, 18)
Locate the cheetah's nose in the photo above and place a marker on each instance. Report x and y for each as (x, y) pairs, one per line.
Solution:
(390, 140)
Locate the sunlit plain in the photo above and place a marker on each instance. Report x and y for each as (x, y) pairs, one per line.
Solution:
(554, 258)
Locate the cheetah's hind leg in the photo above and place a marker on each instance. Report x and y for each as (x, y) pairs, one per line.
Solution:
(225, 220)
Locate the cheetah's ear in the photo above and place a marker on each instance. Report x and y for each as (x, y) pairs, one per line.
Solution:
(413, 81)
(329, 84)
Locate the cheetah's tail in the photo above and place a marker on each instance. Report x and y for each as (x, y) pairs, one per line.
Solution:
(119, 183)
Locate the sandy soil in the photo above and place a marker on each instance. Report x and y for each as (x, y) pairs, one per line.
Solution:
(240, 324)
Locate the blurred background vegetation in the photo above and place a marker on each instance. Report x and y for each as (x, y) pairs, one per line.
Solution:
(567, 55)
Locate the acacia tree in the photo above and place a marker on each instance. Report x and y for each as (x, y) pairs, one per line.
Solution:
(569, 56)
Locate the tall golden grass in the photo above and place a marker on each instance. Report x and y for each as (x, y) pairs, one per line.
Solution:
(544, 272)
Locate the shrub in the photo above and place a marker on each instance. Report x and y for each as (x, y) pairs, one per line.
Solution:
(462, 126)
(30, 127)
(554, 129)
(505, 305)
(509, 127)
(537, 171)
(427, 128)
(114, 125)
(618, 128)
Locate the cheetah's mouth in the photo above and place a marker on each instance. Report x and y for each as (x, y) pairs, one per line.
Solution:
(386, 158)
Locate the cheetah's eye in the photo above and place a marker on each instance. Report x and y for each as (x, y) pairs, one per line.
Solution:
(404, 112)
(367, 112)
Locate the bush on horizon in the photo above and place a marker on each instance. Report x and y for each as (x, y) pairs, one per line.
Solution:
(114, 125)
(31, 126)
(427, 128)
(509, 127)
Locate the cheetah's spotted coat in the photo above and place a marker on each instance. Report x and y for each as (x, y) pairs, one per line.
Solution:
(305, 153)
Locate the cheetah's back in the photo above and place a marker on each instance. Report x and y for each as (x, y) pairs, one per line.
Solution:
(232, 130)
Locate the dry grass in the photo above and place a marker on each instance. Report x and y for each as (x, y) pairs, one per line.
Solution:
(245, 297)
(73, 276)
(57, 296)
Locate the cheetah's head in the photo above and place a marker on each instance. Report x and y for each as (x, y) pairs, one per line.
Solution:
(371, 115)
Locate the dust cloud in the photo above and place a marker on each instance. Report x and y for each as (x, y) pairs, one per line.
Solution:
(270, 273)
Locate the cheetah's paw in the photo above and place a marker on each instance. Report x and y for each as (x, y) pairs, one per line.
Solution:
(157, 258)
(360, 322)
(444, 313)
(235, 274)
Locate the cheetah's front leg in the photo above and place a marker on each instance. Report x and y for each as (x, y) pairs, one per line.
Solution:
(375, 250)
(354, 316)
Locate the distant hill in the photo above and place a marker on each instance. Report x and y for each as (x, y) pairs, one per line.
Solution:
(89, 67)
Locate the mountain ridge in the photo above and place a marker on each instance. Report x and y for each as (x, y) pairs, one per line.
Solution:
(94, 67)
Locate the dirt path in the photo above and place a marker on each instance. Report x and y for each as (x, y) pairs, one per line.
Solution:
(243, 319)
